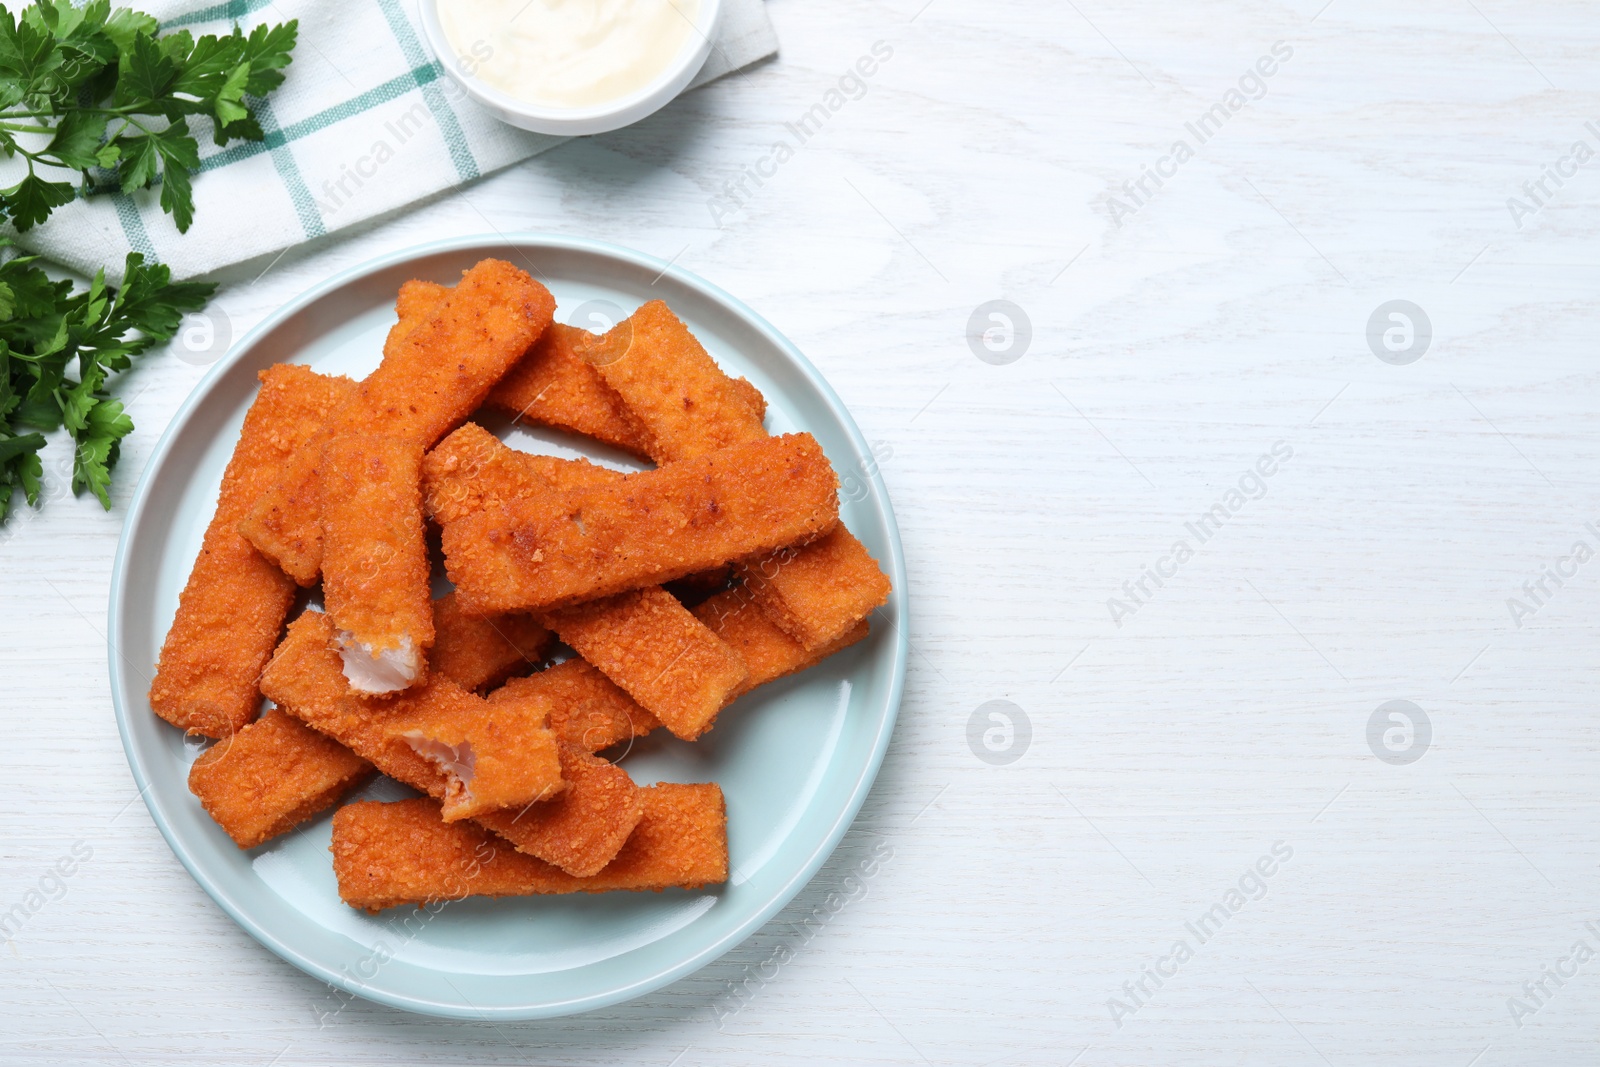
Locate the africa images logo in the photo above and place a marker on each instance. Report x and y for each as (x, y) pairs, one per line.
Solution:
(1251, 86)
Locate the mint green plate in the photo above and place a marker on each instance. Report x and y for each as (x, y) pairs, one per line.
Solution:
(795, 758)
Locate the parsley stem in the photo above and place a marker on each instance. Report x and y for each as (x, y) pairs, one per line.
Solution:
(134, 108)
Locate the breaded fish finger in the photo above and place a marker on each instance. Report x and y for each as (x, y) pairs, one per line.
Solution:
(304, 678)
(375, 570)
(592, 712)
(549, 385)
(767, 651)
(817, 592)
(645, 642)
(477, 652)
(553, 385)
(581, 830)
(490, 761)
(664, 657)
(685, 403)
(431, 379)
(271, 776)
(414, 305)
(587, 708)
(386, 855)
(687, 407)
(472, 470)
(645, 529)
(232, 609)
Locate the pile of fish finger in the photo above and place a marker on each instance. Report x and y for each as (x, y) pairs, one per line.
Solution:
(588, 607)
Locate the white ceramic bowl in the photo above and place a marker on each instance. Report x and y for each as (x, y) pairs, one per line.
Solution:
(577, 121)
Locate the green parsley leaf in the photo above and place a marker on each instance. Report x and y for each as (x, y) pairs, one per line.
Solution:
(139, 159)
(11, 447)
(31, 200)
(115, 94)
(125, 24)
(144, 72)
(77, 139)
(27, 54)
(268, 53)
(230, 97)
(22, 468)
(151, 302)
(99, 444)
(53, 329)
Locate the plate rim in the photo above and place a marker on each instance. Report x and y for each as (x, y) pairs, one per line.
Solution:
(523, 240)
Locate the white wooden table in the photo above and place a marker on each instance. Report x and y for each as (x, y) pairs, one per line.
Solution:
(1217, 317)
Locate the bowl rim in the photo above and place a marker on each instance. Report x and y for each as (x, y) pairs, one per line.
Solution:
(595, 118)
(894, 561)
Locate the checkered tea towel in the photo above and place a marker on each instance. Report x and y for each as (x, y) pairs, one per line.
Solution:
(366, 121)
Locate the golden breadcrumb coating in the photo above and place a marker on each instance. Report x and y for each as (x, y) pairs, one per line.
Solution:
(478, 652)
(581, 830)
(644, 529)
(689, 407)
(231, 612)
(550, 385)
(517, 802)
(664, 657)
(472, 469)
(644, 640)
(554, 386)
(414, 304)
(304, 678)
(490, 761)
(817, 592)
(672, 387)
(751, 396)
(430, 380)
(592, 712)
(375, 568)
(272, 776)
(587, 708)
(767, 651)
(386, 855)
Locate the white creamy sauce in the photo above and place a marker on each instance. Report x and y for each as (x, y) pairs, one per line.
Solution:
(567, 53)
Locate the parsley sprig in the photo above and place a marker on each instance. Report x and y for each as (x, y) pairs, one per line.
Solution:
(91, 87)
(46, 328)
(94, 90)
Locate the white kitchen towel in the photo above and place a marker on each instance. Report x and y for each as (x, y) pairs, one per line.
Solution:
(366, 121)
